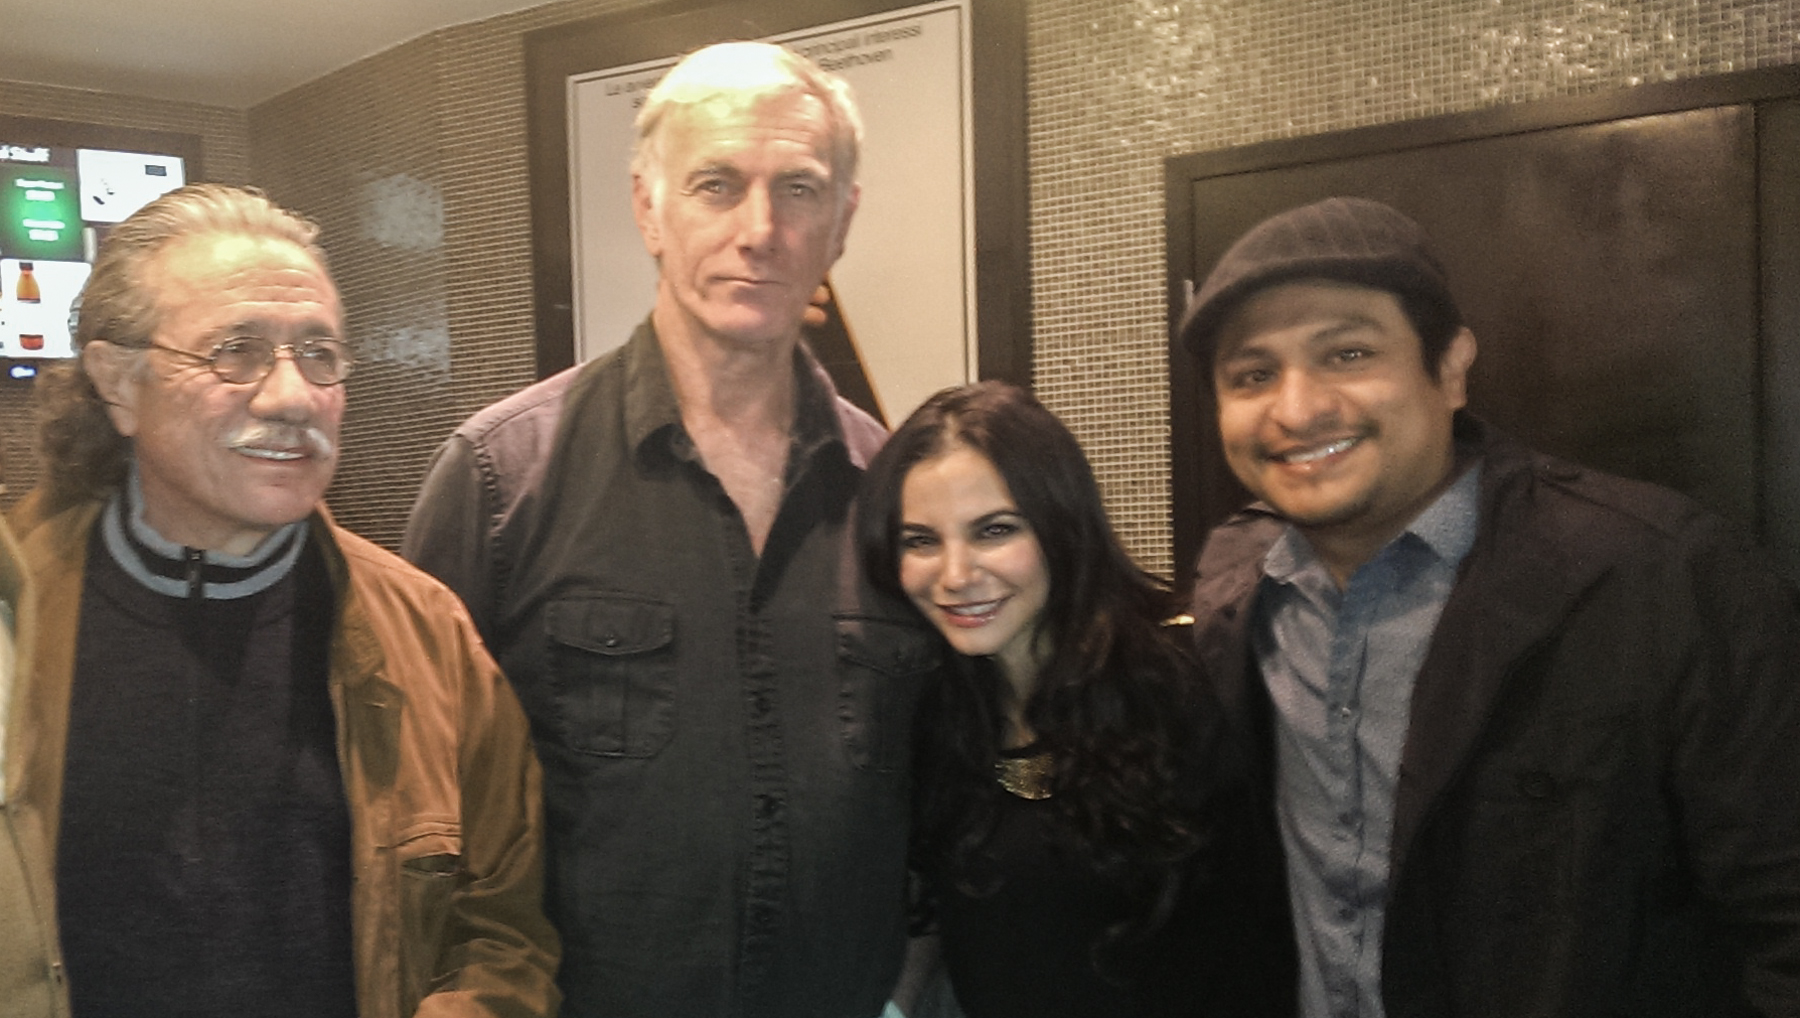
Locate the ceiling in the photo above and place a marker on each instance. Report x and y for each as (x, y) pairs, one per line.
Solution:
(233, 53)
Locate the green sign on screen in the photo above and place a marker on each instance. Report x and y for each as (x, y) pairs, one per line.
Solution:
(40, 213)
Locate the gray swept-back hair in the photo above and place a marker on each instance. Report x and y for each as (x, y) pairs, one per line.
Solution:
(84, 455)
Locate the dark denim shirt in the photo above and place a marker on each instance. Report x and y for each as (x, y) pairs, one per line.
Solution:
(724, 738)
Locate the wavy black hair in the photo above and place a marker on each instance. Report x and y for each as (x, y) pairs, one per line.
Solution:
(1117, 705)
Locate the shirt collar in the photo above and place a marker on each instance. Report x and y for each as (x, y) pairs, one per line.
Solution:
(651, 409)
(1449, 524)
(650, 406)
(1447, 528)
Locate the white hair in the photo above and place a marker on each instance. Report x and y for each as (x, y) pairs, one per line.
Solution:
(747, 73)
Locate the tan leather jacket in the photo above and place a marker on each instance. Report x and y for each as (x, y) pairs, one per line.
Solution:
(31, 979)
(438, 769)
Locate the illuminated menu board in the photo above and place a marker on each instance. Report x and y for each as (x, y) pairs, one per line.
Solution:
(56, 204)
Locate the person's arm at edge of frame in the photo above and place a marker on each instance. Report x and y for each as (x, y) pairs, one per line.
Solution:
(500, 951)
(923, 990)
(1736, 770)
(447, 530)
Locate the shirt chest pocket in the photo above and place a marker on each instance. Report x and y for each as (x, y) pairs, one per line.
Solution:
(882, 664)
(612, 673)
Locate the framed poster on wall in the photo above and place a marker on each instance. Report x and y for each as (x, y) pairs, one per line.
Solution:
(932, 288)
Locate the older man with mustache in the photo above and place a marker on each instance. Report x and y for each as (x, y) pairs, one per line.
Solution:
(272, 768)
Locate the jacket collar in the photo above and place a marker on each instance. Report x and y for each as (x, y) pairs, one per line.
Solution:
(62, 539)
(357, 660)
(1225, 585)
(1520, 580)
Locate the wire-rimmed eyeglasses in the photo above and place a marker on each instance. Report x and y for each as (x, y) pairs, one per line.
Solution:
(243, 360)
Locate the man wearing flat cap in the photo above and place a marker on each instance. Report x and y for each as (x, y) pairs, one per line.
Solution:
(1531, 729)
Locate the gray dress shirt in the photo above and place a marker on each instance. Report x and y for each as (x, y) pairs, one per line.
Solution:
(1340, 666)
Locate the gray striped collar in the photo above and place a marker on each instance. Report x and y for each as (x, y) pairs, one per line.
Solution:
(180, 571)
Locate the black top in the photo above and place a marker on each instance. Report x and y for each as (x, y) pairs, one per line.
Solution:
(1023, 931)
(203, 866)
(1026, 947)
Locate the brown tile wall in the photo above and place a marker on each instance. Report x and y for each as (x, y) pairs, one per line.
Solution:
(358, 151)
(413, 162)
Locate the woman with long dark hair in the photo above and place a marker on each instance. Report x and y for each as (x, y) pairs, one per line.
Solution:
(1083, 834)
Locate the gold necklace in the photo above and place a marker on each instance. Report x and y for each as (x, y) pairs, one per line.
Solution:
(1027, 777)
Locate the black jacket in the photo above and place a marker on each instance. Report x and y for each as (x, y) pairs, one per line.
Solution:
(1598, 807)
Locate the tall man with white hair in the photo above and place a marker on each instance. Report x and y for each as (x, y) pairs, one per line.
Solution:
(655, 546)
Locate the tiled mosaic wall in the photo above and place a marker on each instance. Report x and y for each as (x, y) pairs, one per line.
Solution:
(358, 152)
(1117, 85)
(224, 156)
(414, 162)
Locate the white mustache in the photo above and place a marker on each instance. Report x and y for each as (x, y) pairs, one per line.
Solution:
(261, 434)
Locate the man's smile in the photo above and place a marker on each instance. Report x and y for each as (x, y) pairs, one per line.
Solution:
(1314, 453)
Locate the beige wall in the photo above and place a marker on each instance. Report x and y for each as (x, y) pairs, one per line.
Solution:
(414, 162)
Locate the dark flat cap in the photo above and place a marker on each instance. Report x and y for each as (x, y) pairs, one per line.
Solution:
(1350, 240)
